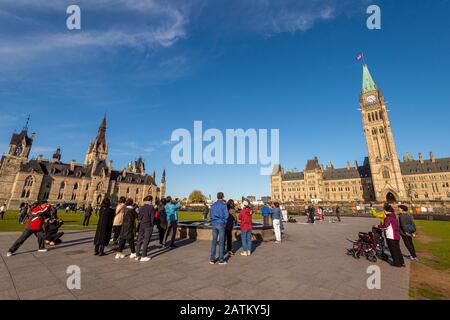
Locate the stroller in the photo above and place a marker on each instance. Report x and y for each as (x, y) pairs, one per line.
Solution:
(369, 245)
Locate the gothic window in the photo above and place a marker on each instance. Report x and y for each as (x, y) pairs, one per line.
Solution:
(374, 131)
(370, 118)
(87, 187)
(137, 191)
(63, 185)
(18, 151)
(29, 182)
(386, 174)
(99, 186)
(75, 187)
(376, 116)
(381, 130)
(381, 115)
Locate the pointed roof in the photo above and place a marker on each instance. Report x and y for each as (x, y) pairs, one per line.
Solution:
(368, 83)
(101, 135)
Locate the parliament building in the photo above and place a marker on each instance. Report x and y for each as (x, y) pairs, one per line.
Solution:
(381, 177)
(25, 181)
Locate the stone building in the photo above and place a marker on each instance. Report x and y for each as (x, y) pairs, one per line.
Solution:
(24, 180)
(381, 177)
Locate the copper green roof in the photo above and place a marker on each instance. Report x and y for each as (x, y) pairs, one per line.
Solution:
(368, 83)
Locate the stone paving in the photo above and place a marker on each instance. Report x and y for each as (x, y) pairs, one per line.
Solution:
(310, 264)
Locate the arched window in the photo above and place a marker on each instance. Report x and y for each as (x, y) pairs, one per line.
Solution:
(63, 185)
(18, 151)
(386, 174)
(370, 118)
(29, 181)
(75, 187)
(99, 186)
(381, 115)
(137, 191)
(381, 130)
(374, 131)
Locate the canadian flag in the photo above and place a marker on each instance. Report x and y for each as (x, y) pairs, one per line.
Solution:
(359, 57)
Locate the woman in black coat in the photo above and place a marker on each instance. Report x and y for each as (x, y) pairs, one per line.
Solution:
(161, 221)
(104, 227)
(128, 231)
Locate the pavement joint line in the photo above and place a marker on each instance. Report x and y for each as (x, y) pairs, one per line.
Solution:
(12, 280)
(53, 274)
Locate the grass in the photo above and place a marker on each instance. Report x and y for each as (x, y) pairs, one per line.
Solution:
(73, 221)
(438, 233)
(430, 277)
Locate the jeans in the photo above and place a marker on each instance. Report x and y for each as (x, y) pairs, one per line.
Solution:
(218, 231)
(246, 238)
(144, 236)
(25, 235)
(86, 220)
(171, 230)
(277, 229)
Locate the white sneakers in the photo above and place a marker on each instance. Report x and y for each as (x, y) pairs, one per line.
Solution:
(119, 255)
(9, 254)
(42, 250)
(145, 259)
(133, 255)
(244, 253)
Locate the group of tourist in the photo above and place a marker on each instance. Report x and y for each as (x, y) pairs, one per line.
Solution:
(397, 223)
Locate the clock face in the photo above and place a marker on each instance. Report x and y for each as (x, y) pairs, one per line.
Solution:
(371, 99)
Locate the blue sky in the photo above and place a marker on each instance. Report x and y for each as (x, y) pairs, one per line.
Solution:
(155, 66)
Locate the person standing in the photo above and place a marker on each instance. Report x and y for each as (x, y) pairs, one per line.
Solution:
(276, 221)
(265, 212)
(245, 218)
(338, 213)
(407, 230)
(392, 231)
(146, 215)
(172, 208)
(311, 214)
(23, 213)
(118, 220)
(161, 220)
(229, 227)
(104, 227)
(128, 230)
(219, 218)
(2, 210)
(205, 212)
(87, 215)
(34, 226)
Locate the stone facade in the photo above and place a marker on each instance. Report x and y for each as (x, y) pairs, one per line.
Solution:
(382, 177)
(24, 180)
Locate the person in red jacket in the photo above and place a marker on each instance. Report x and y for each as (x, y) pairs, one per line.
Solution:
(34, 226)
(245, 218)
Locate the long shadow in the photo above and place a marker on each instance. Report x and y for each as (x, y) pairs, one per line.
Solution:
(67, 244)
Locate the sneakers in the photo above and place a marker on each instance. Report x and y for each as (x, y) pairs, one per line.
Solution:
(212, 262)
(244, 253)
(133, 255)
(231, 253)
(277, 242)
(9, 254)
(119, 256)
(145, 259)
(223, 262)
(42, 250)
(249, 253)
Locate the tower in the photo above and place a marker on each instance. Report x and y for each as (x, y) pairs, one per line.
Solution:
(383, 159)
(98, 149)
(163, 185)
(10, 164)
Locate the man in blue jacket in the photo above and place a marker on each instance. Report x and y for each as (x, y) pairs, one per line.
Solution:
(172, 208)
(219, 218)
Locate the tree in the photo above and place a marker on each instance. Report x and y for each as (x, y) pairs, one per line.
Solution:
(196, 196)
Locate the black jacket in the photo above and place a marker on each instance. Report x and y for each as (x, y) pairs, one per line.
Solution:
(128, 230)
(146, 215)
(104, 226)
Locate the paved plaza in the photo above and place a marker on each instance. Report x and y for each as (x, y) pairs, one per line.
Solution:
(310, 264)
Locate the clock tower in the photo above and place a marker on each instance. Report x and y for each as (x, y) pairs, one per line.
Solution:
(384, 163)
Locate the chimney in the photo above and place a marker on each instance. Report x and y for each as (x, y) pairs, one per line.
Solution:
(432, 158)
(73, 163)
(110, 165)
(40, 158)
(356, 164)
(421, 157)
(348, 165)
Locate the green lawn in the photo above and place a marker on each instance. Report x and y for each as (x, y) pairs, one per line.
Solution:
(439, 247)
(73, 221)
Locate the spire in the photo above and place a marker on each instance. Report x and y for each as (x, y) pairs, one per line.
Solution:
(163, 178)
(26, 124)
(368, 83)
(100, 140)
